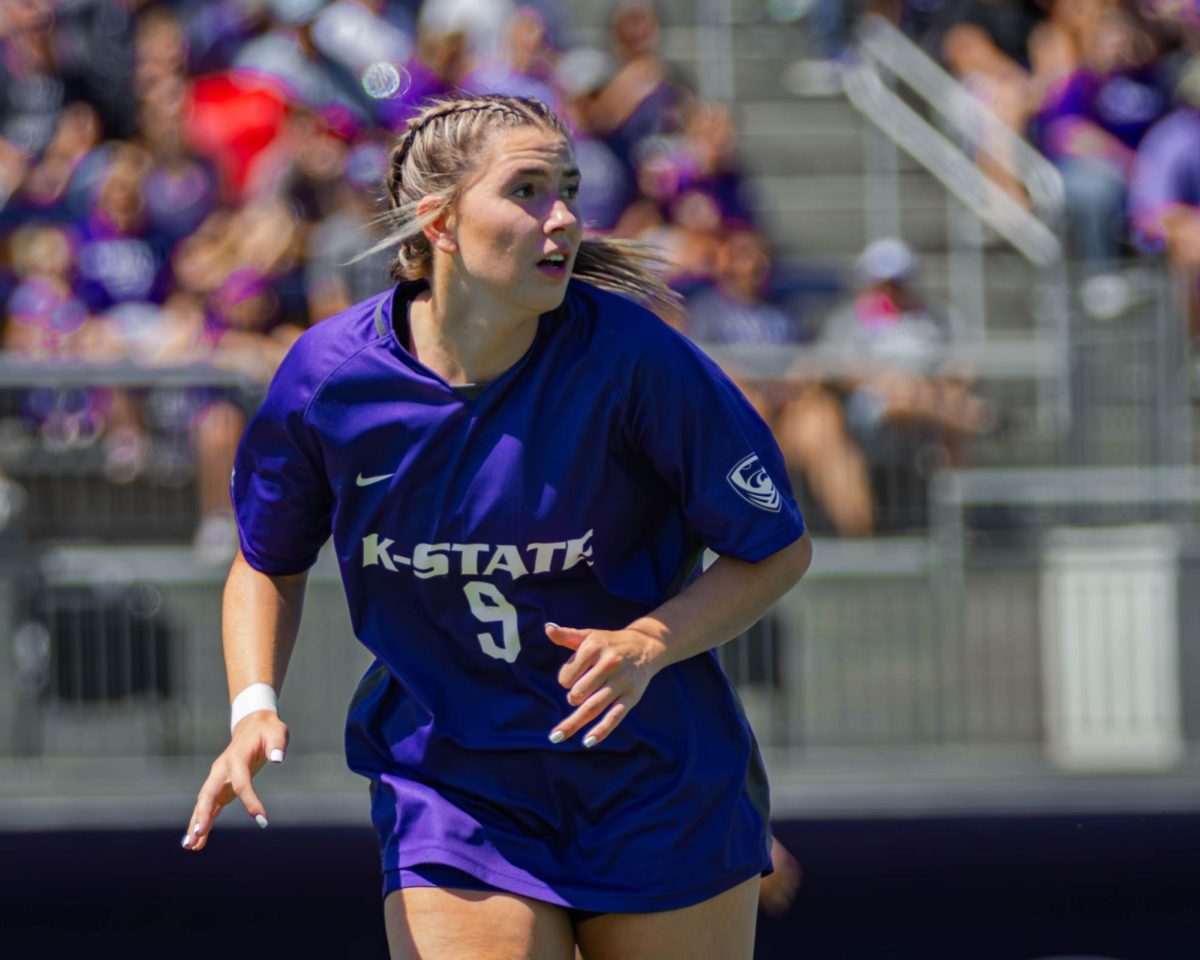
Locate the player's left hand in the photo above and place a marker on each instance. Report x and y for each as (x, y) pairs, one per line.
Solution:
(607, 674)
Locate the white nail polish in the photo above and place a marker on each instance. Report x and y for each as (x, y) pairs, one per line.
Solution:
(187, 840)
(196, 829)
(554, 625)
(557, 736)
(276, 756)
(589, 741)
(261, 821)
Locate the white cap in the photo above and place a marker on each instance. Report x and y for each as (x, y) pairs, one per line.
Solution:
(887, 259)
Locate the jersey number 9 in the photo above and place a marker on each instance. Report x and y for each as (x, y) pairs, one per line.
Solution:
(489, 606)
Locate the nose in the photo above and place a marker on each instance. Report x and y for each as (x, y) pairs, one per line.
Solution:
(562, 217)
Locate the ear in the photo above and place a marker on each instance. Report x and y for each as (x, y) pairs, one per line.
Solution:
(440, 231)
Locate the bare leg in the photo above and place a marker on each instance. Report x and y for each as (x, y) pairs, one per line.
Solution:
(812, 434)
(721, 928)
(432, 923)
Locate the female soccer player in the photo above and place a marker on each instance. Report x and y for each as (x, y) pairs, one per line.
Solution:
(500, 445)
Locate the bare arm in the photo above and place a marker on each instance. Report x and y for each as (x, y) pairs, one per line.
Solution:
(259, 622)
(609, 670)
(260, 617)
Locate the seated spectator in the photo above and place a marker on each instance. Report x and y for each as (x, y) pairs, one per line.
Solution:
(47, 321)
(643, 98)
(32, 91)
(708, 164)
(525, 63)
(893, 391)
(54, 183)
(120, 260)
(441, 59)
(182, 187)
(160, 50)
(1056, 44)
(607, 186)
(236, 310)
(303, 165)
(45, 318)
(988, 48)
(335, 275)
(1092, 125)
(1175, 25)
(737, 306)
(479, 23)
(1164, 195)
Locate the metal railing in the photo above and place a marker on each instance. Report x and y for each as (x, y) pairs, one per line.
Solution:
(945, 133)
(885, 53)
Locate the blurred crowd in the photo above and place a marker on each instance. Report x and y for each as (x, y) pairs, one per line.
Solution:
(1109, 91)
(190, 181)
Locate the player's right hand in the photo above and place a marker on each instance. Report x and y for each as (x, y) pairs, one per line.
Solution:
(259, 738)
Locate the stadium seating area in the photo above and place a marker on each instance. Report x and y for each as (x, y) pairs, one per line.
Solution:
(184, 183)
(188, 193)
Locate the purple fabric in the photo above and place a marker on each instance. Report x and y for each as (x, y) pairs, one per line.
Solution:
(1166, 174)
(606, 186)
(178, 200)
(117, 267)
(36, 303)
(577, 488)
(716, 317)
(1124, 104)
(727, 189)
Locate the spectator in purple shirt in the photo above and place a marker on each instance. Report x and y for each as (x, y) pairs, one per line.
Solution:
(643, 97)
(120, 260)
(1092, 125)
(709, 166)
(1164, 195)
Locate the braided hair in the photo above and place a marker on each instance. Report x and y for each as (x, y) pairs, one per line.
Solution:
(435, 156)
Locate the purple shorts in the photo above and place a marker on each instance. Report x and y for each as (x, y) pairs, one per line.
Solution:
(440, 875)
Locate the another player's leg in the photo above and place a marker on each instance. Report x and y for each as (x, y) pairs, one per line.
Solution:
(435, 923)
(721, 928)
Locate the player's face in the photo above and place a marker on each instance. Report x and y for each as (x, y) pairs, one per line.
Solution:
(517, 224)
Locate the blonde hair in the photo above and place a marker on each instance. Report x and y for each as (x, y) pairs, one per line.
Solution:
(435, 156)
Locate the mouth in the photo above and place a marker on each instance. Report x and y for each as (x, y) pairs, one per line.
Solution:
(554, 265)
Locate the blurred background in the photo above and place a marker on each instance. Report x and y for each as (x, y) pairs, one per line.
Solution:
(950, 250)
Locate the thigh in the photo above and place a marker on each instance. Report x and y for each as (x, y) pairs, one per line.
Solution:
(721, 928)
(436, 923)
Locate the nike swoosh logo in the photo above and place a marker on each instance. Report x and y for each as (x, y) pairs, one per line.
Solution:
(367, 481)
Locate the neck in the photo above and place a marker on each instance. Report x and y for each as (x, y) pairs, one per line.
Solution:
(463, 340)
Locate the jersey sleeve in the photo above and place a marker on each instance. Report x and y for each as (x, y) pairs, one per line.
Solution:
(712, 449)
(282, 499)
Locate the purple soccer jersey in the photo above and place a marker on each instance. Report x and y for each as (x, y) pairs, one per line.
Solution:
(579, 488)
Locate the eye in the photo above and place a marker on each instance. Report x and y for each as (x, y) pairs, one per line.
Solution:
(523, 190)
(571, 191)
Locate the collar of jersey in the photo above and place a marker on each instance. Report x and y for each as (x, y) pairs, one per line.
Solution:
(403, 294)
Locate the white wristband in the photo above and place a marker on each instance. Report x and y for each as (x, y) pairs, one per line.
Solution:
(257, 696)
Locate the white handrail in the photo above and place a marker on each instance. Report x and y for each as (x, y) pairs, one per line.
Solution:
(882, 45)
(963, 111)
(957, 172)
